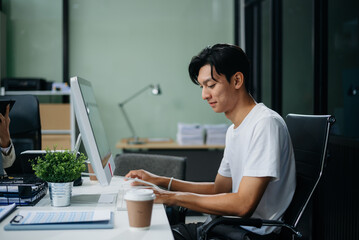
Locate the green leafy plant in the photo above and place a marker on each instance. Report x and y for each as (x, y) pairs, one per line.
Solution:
(59, 166)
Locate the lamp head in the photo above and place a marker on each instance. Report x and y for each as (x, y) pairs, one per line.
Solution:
(156, 90)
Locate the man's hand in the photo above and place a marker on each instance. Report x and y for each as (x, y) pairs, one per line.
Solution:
(4, 128)
(143, 175)
(165, 197)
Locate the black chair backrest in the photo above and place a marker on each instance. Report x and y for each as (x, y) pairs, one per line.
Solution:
(164, 165)
(309, 135)
(25, 128)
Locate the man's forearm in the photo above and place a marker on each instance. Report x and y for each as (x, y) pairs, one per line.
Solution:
(187, 186)
(218, 204)
(241, 203)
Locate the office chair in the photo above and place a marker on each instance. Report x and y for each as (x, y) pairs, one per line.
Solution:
(309, 135)
(25, 130)
(163, 165)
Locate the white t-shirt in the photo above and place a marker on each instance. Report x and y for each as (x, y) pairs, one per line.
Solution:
(261, 147)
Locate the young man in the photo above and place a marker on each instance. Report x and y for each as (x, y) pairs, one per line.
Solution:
(256, 177)
(7, 157)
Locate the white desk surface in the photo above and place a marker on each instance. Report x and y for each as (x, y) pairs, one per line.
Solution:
(85, 197)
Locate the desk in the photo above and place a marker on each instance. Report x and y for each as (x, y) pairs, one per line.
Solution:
(159, 229)
(202, 160)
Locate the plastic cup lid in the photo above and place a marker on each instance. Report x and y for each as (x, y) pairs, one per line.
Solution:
(140, 195)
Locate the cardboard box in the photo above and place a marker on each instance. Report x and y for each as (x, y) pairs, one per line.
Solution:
(91, 171)
(55, 116)
(62, 141)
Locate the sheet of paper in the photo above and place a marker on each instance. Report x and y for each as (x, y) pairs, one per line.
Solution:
(107, 198)
(46, 217)
(5, 210)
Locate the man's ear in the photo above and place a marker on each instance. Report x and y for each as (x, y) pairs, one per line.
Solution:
(238, 80)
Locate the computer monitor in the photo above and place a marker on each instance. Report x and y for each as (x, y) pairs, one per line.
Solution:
(91, 129)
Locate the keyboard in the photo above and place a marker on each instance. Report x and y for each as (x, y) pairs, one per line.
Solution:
(121, 204)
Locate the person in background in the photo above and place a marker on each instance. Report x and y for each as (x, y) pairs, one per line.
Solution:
(256, 177)
(7, 148)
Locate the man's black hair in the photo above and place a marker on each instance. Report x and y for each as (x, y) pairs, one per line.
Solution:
(225, 58)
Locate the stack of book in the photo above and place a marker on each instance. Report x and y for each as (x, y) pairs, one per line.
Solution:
(216, 134)
(190, 134)
(22, 190)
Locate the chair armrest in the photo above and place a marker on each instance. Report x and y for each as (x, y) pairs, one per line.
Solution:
(253, 222)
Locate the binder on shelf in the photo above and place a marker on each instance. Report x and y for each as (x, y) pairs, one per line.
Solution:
(216, 134)
(190, 134)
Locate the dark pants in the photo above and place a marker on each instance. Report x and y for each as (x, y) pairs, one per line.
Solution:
(185, 231)
(221, 232)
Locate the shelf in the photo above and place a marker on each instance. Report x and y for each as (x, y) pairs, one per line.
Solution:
(165, 145)
(49, 132)
(55, 132)
(38, 93)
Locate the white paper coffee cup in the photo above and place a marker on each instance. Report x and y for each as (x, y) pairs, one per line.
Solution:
(139, 207)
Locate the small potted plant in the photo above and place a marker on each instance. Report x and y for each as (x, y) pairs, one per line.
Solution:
(59, 169)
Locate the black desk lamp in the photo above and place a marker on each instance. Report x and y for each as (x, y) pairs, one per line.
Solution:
(155, 90)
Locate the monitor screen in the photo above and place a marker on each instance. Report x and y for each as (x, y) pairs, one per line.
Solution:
(91, 128)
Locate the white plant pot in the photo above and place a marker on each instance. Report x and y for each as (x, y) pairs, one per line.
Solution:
(60, 194)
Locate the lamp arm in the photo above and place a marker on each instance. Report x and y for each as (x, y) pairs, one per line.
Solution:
(128, 122)
(134, 95)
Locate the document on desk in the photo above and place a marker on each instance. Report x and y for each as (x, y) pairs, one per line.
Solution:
(61, 220)
(53, 217)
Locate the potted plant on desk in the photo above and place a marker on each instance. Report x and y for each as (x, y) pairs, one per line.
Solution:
(59, 169)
